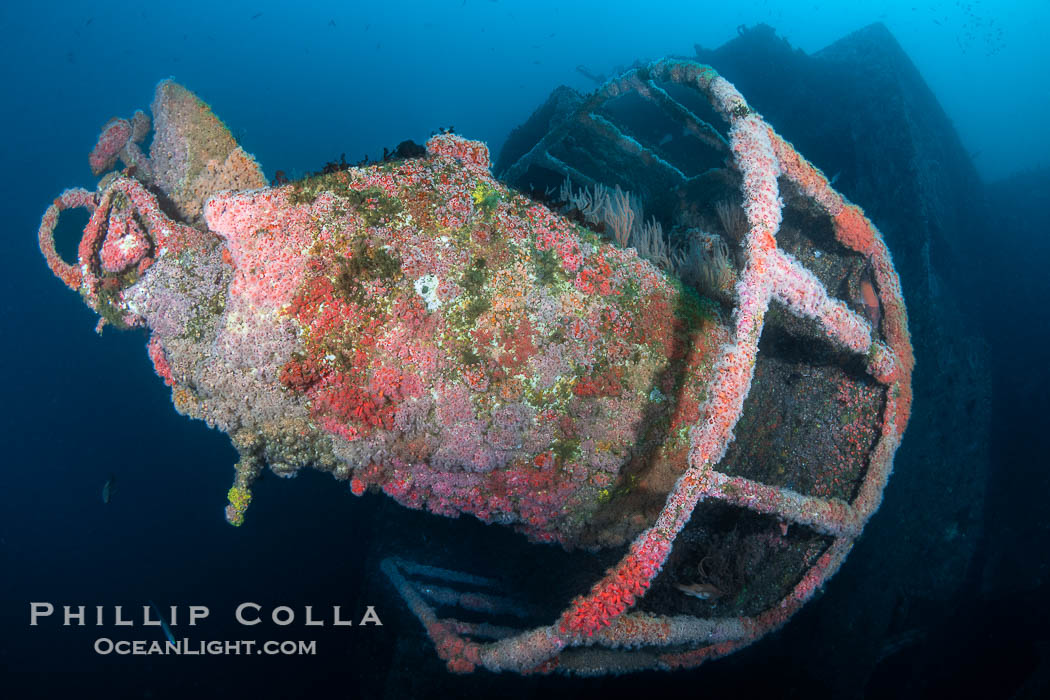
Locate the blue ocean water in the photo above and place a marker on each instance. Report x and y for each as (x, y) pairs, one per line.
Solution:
(301, 84)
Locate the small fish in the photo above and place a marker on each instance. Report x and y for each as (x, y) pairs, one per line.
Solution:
(164, 624)
(108, 488)
(871, 302)
(703, 591)
(257, 15)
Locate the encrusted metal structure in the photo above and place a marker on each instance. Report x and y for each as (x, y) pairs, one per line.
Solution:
(418, 328)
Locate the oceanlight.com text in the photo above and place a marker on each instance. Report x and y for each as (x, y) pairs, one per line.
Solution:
(188, 647)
